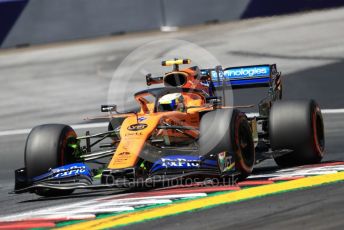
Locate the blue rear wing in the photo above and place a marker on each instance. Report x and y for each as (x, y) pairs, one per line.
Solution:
(242, 76)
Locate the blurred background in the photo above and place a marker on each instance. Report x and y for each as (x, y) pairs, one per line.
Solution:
(28, 22)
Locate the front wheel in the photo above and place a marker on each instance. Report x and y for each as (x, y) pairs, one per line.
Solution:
(47, 147)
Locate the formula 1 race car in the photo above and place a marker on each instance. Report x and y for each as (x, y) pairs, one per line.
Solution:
(182, 130)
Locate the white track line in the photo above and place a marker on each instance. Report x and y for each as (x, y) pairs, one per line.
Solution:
(332, 111)
(80, 126)
(105, 124)
(14, 132)
(108, 204)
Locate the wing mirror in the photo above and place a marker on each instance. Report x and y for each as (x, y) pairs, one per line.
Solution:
(108, 108)
(215, 101)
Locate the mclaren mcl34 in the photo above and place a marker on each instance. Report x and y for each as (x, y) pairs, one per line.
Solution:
(183, 129)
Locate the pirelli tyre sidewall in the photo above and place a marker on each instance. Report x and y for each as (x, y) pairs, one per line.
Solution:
(227, 130)
(46, 148)
(242, 143)
(297, 126)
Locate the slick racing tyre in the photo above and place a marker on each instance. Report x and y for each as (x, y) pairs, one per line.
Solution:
(227, 133)
(296, 126)
(47, 148)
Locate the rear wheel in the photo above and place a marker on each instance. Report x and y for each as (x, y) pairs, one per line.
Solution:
(46, 148)
(227, 134)
(297, 126)
(243, 145)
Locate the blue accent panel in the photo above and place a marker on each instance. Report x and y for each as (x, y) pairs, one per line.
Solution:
(245, 82)
(210, 162)
(177, 162)
(10, 10)
(173, 103)
(66, 171)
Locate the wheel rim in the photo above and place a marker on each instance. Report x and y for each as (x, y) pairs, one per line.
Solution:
(66, 156)
(245, 145)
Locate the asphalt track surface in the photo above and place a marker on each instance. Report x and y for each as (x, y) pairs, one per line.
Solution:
(65, 82)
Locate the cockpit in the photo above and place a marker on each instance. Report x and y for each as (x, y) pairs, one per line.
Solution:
(169, 99)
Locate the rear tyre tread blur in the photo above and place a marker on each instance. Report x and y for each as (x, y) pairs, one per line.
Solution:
(297, 126)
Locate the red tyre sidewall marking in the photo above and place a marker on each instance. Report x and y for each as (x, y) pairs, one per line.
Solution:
(241, 163)
(318, 149)
(63, 144)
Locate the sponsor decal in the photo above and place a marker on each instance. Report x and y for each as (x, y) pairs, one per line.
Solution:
(66, 171)
(225, 162)
(137, 127)
(72, 171)
(133, 134)
(242, 73)
(124, 153)
(122, 156)
(140, 119)
(247, 72)
(177, 162)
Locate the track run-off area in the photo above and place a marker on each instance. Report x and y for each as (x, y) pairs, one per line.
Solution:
(128, 208)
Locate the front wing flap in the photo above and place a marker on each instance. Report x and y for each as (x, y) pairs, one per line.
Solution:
(150, 182)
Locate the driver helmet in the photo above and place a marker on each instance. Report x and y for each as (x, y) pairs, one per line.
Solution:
(172, 102)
